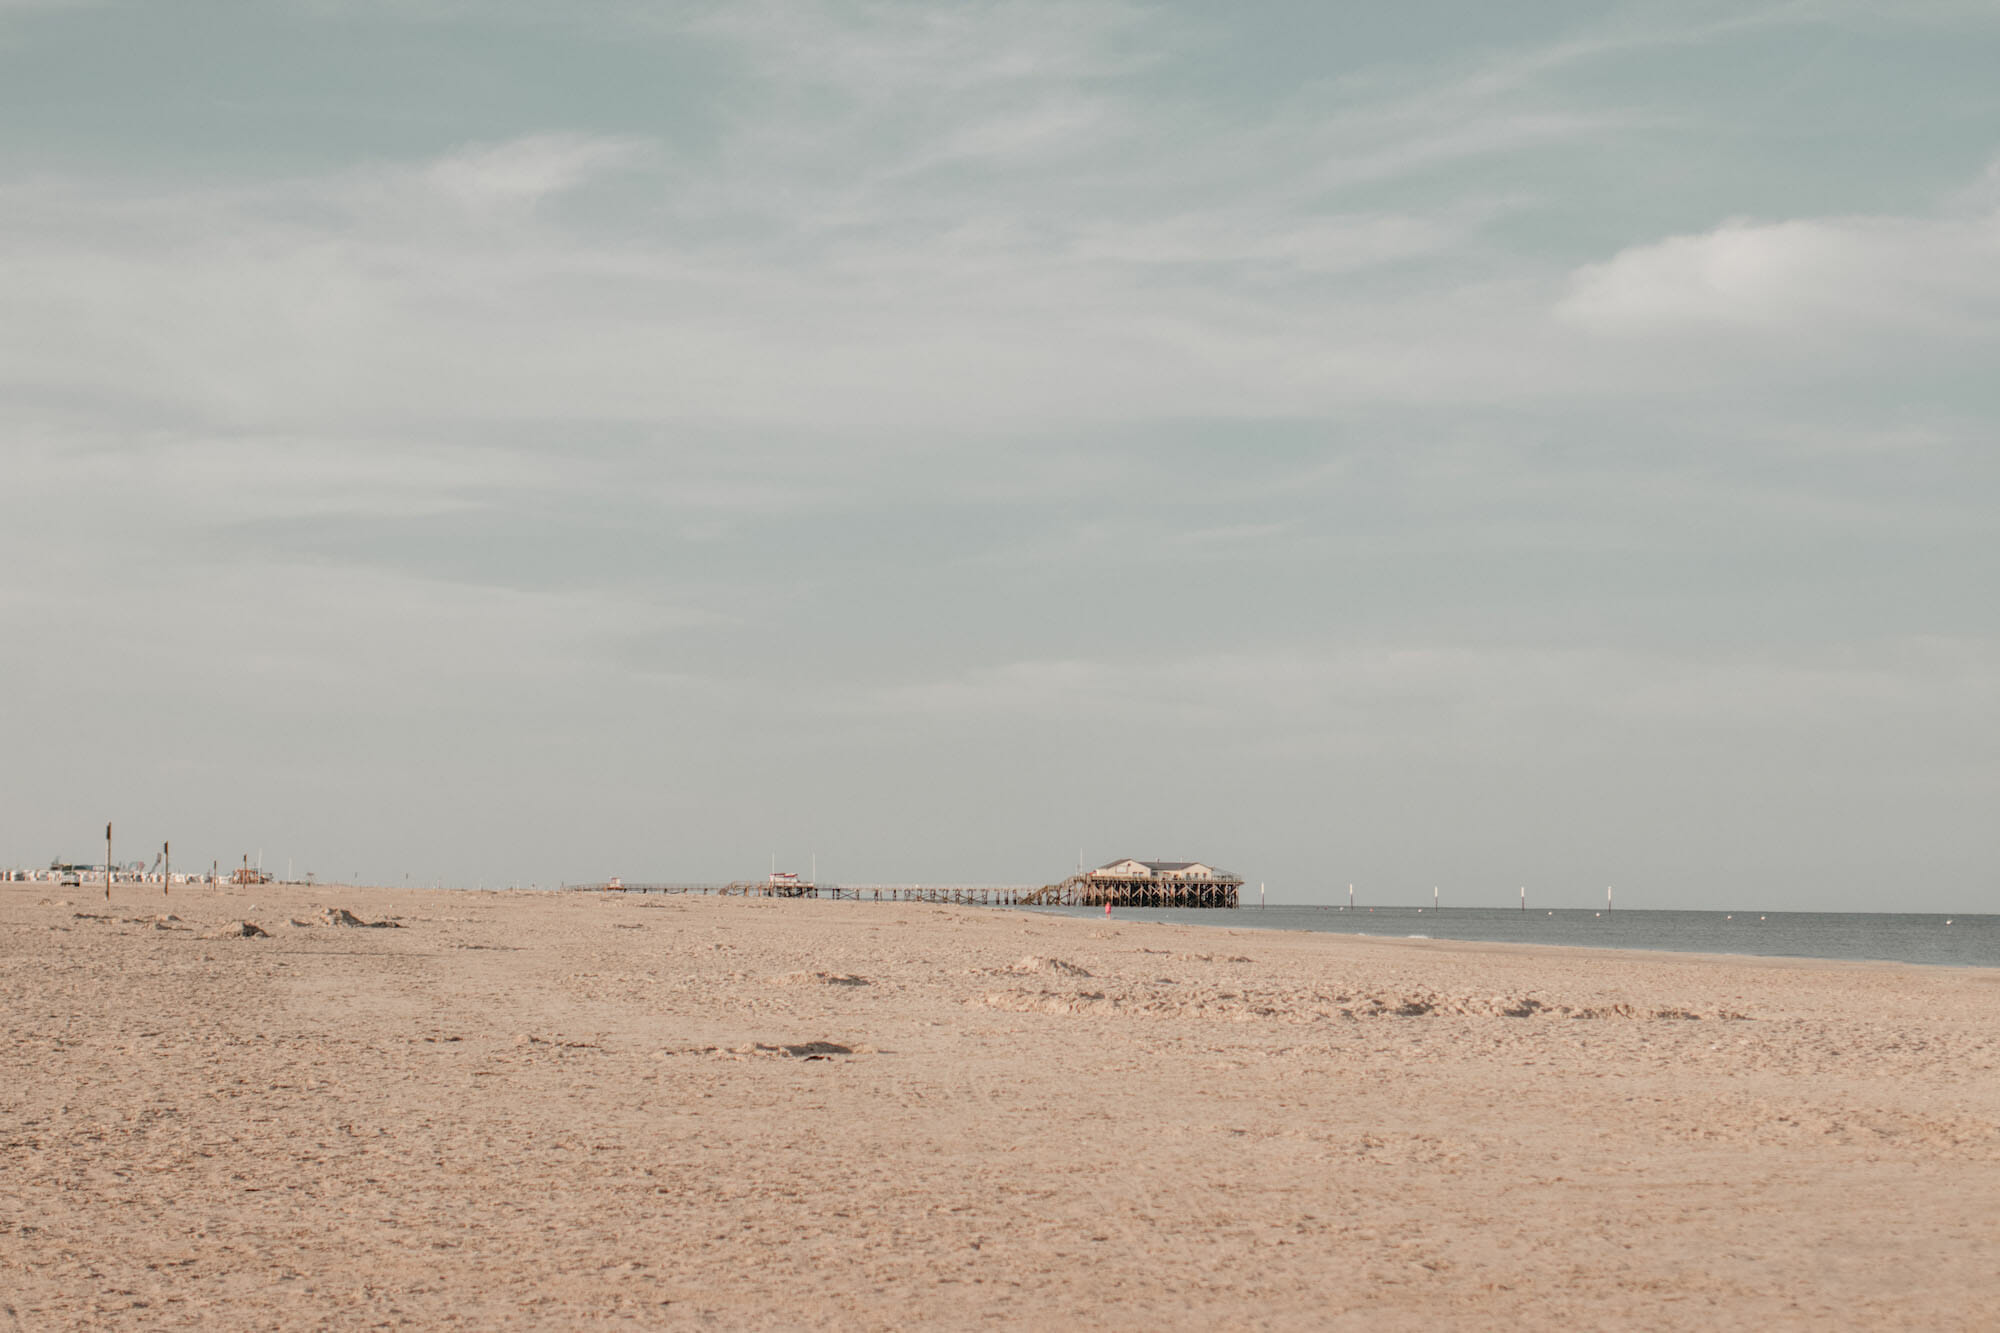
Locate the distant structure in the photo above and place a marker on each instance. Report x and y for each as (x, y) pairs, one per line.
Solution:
(73, 874)
(1132, 883)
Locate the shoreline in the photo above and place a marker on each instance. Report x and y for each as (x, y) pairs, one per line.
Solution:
(1972, 921)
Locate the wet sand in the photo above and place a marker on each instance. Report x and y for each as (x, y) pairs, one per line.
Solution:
(579, 1111)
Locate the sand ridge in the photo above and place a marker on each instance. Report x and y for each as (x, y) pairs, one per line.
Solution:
(528, 1110)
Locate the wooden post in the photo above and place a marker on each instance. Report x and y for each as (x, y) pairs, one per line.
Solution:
(166, 868)
(107, 862)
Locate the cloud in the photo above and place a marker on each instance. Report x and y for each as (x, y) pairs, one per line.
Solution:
(1335, 244)
(1483, 699)
(890, 53)
(1809, 277)
(528, 169)
(908, 218)
(444, 290)
(222, 479)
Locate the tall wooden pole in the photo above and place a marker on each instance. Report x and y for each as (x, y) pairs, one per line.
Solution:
(167, 869)
(107, 862)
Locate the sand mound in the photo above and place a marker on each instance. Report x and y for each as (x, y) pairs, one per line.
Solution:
(1046, 1002)
(235, 930)
(340, 916)
(802, 1050)
(1055, 965)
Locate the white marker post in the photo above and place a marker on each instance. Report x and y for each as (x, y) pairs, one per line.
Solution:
(1524, 897)
(1350, 897)
(1434, 897)
(1607, 897)
(1260, 895)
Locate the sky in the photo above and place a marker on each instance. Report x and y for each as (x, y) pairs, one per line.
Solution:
(1454, 444)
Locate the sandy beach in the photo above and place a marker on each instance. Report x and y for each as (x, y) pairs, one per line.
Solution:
(581, 1111)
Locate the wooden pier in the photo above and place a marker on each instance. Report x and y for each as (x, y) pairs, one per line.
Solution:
(976, 895)
(1086, 890)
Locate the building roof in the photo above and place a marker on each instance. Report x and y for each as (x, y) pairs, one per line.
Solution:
(1157, 867)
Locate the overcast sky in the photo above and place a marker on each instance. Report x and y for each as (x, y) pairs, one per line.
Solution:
(1459, 444)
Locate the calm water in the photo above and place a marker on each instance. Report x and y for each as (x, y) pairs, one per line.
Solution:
(1961, 941)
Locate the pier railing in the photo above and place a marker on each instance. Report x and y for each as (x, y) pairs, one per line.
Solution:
(983, 895)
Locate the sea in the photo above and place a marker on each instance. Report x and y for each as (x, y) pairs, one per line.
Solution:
(1939, 939)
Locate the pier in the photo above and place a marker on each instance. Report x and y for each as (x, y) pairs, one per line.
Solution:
(976, 895)
(1121, 884)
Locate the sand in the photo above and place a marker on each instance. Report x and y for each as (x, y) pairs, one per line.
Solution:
(578, 1111)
